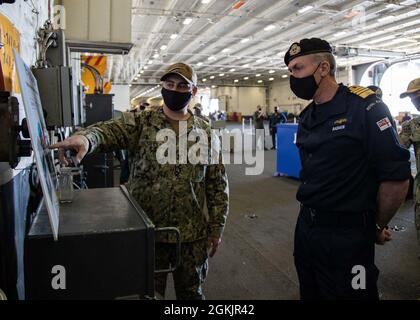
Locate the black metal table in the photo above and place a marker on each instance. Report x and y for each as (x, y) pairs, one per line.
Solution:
(105, 249)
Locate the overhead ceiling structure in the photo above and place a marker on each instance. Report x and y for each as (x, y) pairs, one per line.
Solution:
(232, 42)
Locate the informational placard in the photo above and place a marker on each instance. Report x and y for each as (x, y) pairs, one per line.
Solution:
(10, 39)
(40, 140)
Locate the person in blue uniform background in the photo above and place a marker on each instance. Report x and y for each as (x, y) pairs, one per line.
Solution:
(354, 178)
(275, 118)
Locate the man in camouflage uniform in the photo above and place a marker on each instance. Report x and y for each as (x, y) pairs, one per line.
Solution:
(198, 112)
(172, 195)
(410, 135)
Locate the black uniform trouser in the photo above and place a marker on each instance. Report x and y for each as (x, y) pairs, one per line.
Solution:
(331, 254)
(273, 133)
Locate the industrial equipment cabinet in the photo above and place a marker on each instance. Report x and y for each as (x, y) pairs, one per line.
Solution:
(99, 167)
(105, 247)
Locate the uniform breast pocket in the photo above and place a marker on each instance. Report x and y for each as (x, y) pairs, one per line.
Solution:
(342, 136)
(340, 126)
(341, 130)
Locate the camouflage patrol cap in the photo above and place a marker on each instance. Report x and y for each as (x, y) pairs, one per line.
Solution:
(305, 47)
(183, 70)
(413, 87)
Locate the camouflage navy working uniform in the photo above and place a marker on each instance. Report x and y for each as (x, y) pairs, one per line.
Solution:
(410, 135)
(172, 195)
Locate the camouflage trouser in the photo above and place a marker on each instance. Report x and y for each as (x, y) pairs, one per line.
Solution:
(417, 219)
(191, 273)
(416, 197)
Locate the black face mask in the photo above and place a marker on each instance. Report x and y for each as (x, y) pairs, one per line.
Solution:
(306, 87)
(175, 100)
(416, 102)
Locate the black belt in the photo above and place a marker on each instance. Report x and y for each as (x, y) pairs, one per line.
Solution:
(322, 218)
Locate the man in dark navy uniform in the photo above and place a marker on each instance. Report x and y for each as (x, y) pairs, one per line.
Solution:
(354, 178)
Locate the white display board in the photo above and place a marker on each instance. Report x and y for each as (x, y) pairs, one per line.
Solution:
(40, 140)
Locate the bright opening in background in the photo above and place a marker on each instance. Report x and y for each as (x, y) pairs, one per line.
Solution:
(395, 81)
(209, 105)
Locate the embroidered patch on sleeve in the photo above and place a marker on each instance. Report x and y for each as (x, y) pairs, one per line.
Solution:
(384, 124)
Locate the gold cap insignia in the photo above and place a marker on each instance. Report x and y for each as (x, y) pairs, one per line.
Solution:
(295, 49)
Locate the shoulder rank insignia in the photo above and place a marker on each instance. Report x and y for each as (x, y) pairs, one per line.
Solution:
(361, 91)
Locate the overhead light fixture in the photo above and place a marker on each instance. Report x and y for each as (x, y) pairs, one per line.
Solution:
(150, 62)
(245, 65)
(164, 47)
(204, 80)
(393, 28)
(258, 75)
(236, 80)
(156, 55)
(210, 58)
(260, 60)
(244, 40)
(141, 71)
(271, 71)
(225, 50)
(386, 38)
(213, 86)
(129, 85)
(306, 8)
(232, 70)
(270, 27)
(391, 6)
(259, 81)
(246, 78)
(211, 77)
(284, 76)
(271, 79)
(199, 64)
(187, 21)
(205, 1)
(407, 40)
(387, 18)
(339, 34)
(145, 67)
(221, 74)
(174, 36)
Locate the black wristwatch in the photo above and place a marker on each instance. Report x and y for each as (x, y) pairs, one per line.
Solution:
(379, 228)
